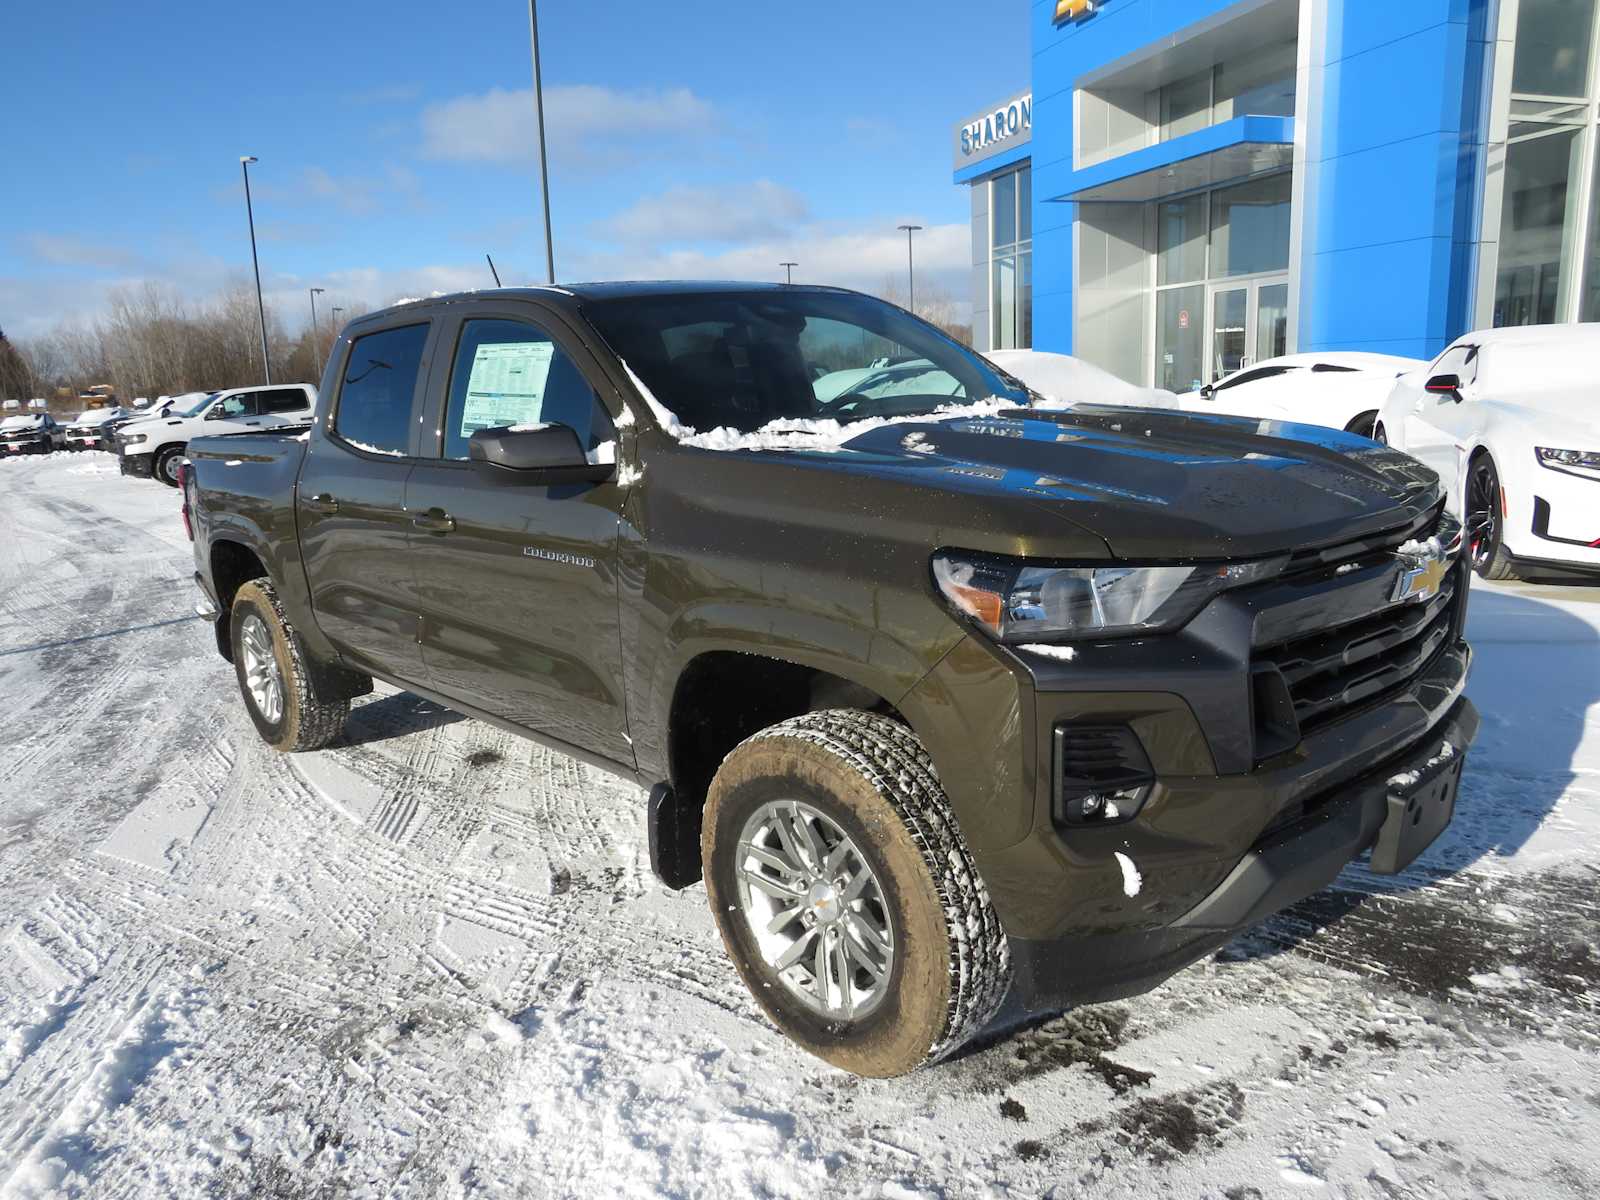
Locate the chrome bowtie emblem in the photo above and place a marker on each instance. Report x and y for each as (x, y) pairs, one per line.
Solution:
(1422, 572)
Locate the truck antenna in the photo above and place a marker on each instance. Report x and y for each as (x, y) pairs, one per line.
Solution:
(493, 272)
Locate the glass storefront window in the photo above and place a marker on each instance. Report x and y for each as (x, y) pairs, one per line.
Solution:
(1272, 321)
(1552, 56)
(1591, 290)
(1250, 227)
(1180, 326)
(1186, 105)
(1261, 85)
(1004, 202)
(1011, 268)
(1181, 240)
(1537, 226)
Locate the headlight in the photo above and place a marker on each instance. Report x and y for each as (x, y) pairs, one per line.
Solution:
(133, 439)
(1018, 601)
(1556, 459)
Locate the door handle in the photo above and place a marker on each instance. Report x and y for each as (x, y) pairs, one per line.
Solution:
(434, 521)
(322, 503)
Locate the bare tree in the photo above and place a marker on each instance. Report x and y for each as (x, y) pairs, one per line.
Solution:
(935, 305)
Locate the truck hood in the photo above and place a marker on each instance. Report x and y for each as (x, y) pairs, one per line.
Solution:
(1158, 484)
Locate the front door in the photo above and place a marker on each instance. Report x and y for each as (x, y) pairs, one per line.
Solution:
(1246, 323)
(350, 505)
(517, 584)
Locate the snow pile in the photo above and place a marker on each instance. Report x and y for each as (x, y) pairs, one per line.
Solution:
(1065, 381)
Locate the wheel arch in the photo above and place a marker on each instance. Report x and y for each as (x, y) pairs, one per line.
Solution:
(719, 697)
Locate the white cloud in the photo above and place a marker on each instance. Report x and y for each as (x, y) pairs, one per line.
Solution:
(499, 126)
(64, 250)
(735, 213)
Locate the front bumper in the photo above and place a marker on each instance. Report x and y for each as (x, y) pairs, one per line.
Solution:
(131, 462)
(1285, 866)
(39, 445)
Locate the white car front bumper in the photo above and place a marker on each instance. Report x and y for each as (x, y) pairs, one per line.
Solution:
(1556, 519)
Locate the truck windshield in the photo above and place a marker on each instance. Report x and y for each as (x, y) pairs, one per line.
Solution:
(198, 406)
(742, 360)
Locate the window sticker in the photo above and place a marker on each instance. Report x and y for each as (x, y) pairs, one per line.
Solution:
(506, 386)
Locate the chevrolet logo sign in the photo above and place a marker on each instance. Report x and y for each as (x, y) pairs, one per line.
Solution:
(1421, 576)
(1073, 10)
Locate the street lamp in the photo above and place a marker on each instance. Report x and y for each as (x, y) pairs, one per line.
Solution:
(316, 332)
(544, 165)
(911, 272)
(788, 268)
(266, 362)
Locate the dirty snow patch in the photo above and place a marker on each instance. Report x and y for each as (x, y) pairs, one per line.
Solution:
(1132, 881)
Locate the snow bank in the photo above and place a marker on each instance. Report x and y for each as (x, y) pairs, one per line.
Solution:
(1064, 381)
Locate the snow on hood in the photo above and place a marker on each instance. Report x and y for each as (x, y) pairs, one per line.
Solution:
(31, 421)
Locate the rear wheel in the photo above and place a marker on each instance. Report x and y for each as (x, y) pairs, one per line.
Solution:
(166, 465)
(1485, 524)
(274, 675)
(846, 896)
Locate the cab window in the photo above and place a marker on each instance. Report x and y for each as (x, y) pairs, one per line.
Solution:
(510, 373)
(241, 405)
(283, 400)
(377, 390)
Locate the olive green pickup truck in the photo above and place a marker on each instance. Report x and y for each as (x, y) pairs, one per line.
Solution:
(948, 692)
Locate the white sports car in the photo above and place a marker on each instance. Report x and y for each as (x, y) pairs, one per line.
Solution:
(1341, 389)
(1063, 379)
(1510, 419)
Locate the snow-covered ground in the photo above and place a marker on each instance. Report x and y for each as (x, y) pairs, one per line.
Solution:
(432, 962)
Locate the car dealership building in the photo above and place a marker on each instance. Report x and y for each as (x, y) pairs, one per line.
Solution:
(1191, 185)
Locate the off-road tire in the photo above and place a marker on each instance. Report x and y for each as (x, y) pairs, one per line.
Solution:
(873, 778)
(308, 722)
(1495, 562)
(165, 458)
(1380, 434)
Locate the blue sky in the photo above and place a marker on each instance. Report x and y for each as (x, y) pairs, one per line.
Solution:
(397, 146)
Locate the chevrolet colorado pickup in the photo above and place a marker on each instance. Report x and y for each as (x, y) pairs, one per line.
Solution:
(948, 691)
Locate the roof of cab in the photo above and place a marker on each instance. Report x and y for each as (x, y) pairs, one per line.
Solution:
(609, 290)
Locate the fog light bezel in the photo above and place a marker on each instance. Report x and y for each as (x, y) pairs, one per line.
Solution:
(1119, 790)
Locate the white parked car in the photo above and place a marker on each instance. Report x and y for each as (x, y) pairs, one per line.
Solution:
(1068, 380)
(1340, 389)
(1510, 419)
(90, 430)
(152, 447)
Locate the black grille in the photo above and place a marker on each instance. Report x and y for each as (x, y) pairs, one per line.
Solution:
(1335, 670)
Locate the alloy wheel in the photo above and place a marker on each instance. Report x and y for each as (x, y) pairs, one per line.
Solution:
(262, 679)
(815, 909)
(1483, 514)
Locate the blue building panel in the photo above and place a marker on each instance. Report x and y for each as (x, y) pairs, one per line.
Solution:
(1390, 140)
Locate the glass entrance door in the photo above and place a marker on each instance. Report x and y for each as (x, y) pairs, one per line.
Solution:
(1230, 331)
(1246, 323)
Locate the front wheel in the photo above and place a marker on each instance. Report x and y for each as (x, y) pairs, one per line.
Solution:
(1380, 434)
(1485, 524)
(275, 677)
(1365, 425)
(165, 467)
(846, 895)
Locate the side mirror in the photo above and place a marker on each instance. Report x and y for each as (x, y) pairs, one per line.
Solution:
(1206, 391)
(1444, 385)
(217, 413)
(537, 454)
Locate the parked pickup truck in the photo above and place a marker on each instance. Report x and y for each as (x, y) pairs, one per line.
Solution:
(946, 690)
(152, 448)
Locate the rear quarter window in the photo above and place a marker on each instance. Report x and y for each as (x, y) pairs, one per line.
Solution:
(378, 388)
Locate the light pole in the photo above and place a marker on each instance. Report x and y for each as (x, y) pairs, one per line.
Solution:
(544, 165)
(788, 269)
(316, 332)
(266, 362)
(911, 270)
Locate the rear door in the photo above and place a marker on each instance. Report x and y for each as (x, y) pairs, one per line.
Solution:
(518, 584)
(350, 501)
(284, 406)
